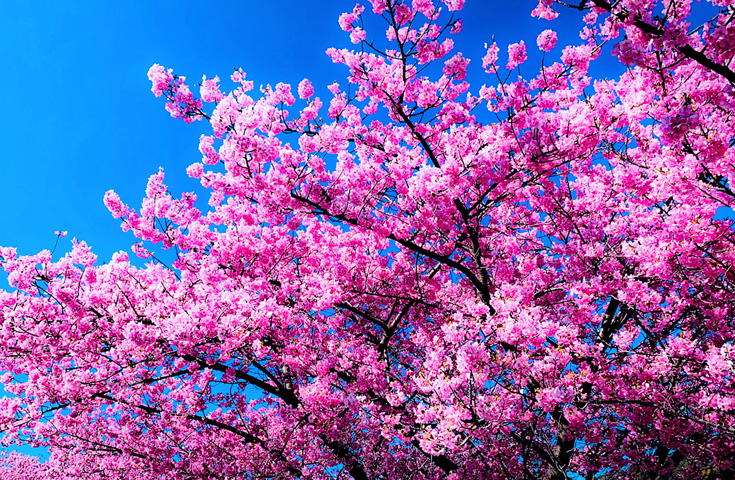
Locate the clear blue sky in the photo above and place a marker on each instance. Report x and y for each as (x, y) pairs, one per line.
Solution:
(79, 117)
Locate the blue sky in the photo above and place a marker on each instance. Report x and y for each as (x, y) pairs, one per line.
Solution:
(79, 117)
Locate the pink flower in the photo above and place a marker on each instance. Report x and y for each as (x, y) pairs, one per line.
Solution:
(545, 12)
(546, 40)
(424, 6)
(627, 52)
(209, 89)
(490, 58)
(305, 89)
(454, 5)
(114, 204)
(60, 233)
(488, 93)
(456, 67)
(516, 55)
(195, 170)
(211, 156)
(161, 79)
(141, 251)
(334, 88)
(282, 93)
(357, 35)
(347, 19)
(578, 57)
(378, 6)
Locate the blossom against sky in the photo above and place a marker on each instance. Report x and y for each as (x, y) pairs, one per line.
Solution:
(80, 118)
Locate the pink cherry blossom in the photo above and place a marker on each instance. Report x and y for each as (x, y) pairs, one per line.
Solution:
(544, 11)
(305, 89)
(209, 89)
(546, 40)
(490, 58)
(161, 78)
(516, 55)
(426, 279)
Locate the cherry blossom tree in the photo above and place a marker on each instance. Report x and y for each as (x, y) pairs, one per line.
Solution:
(411, 279)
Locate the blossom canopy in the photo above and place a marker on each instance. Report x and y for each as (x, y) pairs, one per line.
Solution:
(410, 278)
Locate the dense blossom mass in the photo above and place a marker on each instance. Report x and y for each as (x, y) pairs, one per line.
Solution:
(412, 278)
